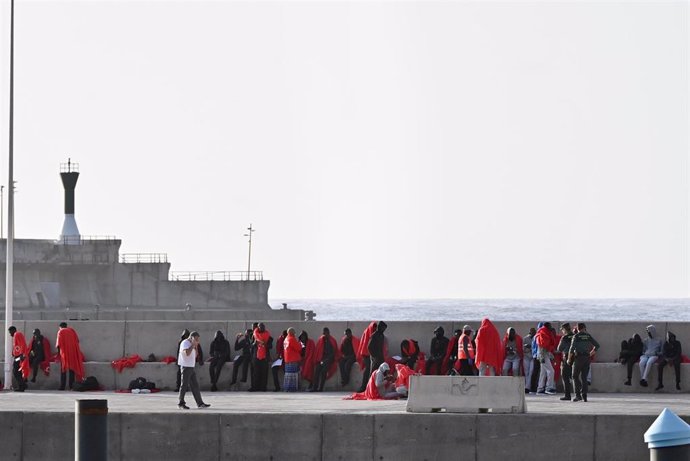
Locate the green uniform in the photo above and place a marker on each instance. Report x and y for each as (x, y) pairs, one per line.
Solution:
(566, 369)
(581, 347)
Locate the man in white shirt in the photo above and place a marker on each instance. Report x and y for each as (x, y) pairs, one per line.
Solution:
(187, 359)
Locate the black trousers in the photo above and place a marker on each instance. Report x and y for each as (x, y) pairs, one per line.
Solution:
(320, 372)
(465, 368)
(276, 378)
(260, 375)
(534, 379)
(18, 375)
(345, 365)
(580, 372)
(63, 379)
(366, 374)
(214, 369)
(567, 377)
(430, 363)
(241, 361)
(676, 366)
(35, 365)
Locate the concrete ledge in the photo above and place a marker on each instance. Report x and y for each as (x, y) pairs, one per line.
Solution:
(466, 394)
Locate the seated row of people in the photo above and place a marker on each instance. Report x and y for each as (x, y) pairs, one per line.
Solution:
(649, 351)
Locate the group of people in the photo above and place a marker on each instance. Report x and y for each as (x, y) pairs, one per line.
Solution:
(28, 359)
(649, 351)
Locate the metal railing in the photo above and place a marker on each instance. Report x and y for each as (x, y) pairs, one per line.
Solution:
(216, 276)
(143, 258)
(81, 239)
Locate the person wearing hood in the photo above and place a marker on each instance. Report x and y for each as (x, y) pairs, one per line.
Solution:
(376, 346)
(466, 355)
(631, 351)
(39, 354)
(437, 352)
(670, 354)
(546, 342)
(650, 353)
(489, 349)
(381, 385)
(409, 352)
(220, 353)
(512, 352)
(363, 356)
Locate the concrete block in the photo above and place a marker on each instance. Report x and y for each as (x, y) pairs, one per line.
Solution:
(541, 436)
(54, 440)
(11, 424)
(181, 436)
(424, 437)
(99, 341)
(347, 437)
(161, 338)
(101, 370)
(466, 394)
(609, 430)
(261, 436)
(609, 377)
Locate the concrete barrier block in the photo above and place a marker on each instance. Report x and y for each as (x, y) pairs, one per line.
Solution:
(347, 437)
(161, 338)
(541, 437)
(466, 394)
(54, 440)
(609, 429)
(182, 436)
(261, 436)
(11, 423)
(424, 437)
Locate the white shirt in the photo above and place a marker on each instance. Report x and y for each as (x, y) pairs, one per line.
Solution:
(183, 359)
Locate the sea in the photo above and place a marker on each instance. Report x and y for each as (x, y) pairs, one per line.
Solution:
(677, 310)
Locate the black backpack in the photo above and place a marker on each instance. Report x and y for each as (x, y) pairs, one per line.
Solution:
(141, 383)
(90, 383)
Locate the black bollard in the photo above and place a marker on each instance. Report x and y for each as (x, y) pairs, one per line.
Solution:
(668, 438)
(91, 430)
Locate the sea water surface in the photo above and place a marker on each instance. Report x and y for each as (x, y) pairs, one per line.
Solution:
(496, 309)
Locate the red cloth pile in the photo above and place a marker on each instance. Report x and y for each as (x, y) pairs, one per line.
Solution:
(126, 362)
(169, 359)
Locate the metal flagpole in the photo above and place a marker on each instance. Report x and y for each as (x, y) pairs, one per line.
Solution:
(9, 284)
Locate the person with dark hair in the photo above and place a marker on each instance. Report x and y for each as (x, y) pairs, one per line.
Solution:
(546, 346)
(671, 353)
(409, 352)
(326, 360)
(280, 353)
(528, 360)
(349, 345)
(178, 378)
(631, 351)
(563, 349)
(308, 353)
(71, 358)
(512, 352)
(187, 360)
(363, 356)
(466, 354)
(220, 353)
(437, 351)
(650, 353)
(582, 348)
(260, 358)
(376, 346)
(39, 354)
(20, 365)
(451, 357)
(292, 353)
(243, 345)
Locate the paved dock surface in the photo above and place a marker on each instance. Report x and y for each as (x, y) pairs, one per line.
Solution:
(325, 403)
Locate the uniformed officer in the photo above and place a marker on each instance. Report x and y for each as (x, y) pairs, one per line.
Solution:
(581, 350)
(566, 369)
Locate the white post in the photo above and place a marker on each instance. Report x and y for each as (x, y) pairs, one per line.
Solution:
(9, 283)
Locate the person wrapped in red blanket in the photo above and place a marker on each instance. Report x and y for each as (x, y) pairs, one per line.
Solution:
(349, 345)
(326, 359)
(20, 356)
(489, 349)
(381, 386)
(71, 357)
(39, 354)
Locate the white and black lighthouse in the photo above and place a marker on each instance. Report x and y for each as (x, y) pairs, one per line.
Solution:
(69, 172)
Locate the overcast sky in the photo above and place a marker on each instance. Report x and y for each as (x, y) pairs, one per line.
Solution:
(381, 149)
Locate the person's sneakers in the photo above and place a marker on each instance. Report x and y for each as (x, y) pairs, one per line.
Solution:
(567, 397)
(551, 391)
(577, 399)
(204, 405)
(542, 392)
(628, 383)
(182, 406)
(660, 386)
(643, 383)
(527, 391)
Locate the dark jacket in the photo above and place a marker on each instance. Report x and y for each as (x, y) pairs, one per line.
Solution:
(220, 348)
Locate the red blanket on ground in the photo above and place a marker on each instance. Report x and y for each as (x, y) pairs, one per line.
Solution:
(71, 357)
(126, 362)
(169, 359)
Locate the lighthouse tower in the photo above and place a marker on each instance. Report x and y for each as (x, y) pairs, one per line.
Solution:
(69, 172)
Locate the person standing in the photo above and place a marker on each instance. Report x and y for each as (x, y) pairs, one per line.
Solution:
(528, 358)
(376, 346)
(39, 354)
(489, 349)
(349, 345)
(466, 352)
(363, 356)
(220, 353)
(581, 350)
(178, 378)
(187, 360)
(326, 359)
(20, 364)
(280, 355)
(260, 358)
(71, 358)
(566, 369)
(292, 353)
(546, 342)
(670, 355)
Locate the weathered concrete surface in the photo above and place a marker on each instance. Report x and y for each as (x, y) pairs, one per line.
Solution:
(242, 425)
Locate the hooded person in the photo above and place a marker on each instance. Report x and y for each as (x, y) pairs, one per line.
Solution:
(178, 378)
(380, 386)
(349, 345)
(650, 353)
(512, 352)
(631, 351)
(363, 355)
(409, 352)
(220, 353)
(326, 358)
(20, 356)
(437, 352)
(528, 358)
(308, 352)
(39, 354)
(489, 349)
(671, 353)
(377, 346)
(71, 357)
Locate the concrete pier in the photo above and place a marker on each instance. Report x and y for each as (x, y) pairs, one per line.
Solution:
(305, 426)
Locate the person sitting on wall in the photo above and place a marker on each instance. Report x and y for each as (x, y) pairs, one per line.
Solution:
(631, 351)
(409, 352)
(243, 346)
(220, 353)
(671, 353)
(349, 345)
(39, 354)
(437, 352)
(71, 357)
(650, 353)
(325, 359)
(20, 357)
